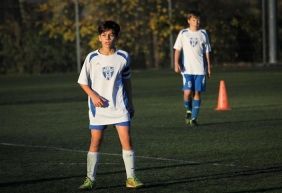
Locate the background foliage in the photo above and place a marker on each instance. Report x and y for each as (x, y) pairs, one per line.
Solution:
(38, 36)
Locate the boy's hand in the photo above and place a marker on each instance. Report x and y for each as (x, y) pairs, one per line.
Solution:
(209, 74)
(98, 101)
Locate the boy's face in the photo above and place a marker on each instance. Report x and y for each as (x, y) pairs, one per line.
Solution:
(107, 39)
(194, 22)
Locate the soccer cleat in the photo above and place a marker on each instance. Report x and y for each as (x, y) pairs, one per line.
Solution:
(88, 184)
(193, 123)
(133, 183)
(188, 117)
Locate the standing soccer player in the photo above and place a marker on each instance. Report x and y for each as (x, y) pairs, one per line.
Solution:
(105, 78)
(194, 44)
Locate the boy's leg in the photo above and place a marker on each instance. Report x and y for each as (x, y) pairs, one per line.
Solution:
(200, 85)
(127, 152)
(93, 154)
(187, 99)
(92, 159)
(187, 95)
(187, 104)
(128, 156)
(196, 104)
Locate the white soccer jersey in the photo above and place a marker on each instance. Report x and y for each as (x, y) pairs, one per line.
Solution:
(193, 44)
(105, 75)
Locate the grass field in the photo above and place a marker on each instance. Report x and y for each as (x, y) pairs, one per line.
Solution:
(44, 136)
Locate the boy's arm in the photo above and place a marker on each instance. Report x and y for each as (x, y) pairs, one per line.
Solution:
(209, 64)
(128, 90)
(177, 68)
(96, 99)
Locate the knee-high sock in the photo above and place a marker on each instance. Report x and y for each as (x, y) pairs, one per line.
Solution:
(188, 105)
(128, 158)
(92, 161)
(196, 104)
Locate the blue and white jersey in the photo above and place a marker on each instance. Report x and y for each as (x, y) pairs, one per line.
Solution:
(104, 74)
(194, 45)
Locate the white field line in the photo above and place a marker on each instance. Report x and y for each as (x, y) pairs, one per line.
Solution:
(111, 154)
(83, 151)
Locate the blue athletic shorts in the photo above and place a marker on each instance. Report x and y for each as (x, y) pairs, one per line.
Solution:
(102, 127)
(194, 82)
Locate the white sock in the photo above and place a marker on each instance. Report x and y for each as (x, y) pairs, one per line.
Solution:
(128, 158)
(92, 160)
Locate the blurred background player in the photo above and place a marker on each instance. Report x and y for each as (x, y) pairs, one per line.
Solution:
(193, 44)
(105, 78)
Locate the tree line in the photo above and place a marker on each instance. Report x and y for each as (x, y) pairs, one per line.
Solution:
(39, 37)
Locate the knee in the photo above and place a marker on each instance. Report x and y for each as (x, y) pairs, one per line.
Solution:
(197, 96)
(126, 144)
(94, 145)
(187, 94)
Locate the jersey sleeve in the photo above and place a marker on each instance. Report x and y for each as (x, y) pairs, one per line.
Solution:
(126, 72)
(178, 42)
(84, 76)
(207, 46)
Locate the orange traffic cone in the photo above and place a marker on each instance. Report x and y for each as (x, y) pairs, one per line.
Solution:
(222, 103)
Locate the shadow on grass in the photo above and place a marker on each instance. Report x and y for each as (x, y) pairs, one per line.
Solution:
(216, 176)
(25, 182)
(259, 190)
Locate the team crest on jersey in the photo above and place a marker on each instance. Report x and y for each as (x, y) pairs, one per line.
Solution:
(108, 72)
(193, 42)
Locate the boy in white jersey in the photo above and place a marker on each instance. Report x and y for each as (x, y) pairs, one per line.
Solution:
(105, 78)
(195, 47)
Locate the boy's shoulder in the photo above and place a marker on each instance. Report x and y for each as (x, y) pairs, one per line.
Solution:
(92, 55)
(183, 31)
(122, 53)
(203, 31)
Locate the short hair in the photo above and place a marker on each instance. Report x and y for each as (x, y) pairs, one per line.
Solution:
(109, 25)
(193, 13)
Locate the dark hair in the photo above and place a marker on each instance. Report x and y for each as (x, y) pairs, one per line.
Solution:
(193, 13)
(109, 25)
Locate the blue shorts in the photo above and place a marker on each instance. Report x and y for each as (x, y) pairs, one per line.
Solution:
(102, 127)
(194, 82)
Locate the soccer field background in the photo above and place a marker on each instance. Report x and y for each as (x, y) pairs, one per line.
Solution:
(44, 136)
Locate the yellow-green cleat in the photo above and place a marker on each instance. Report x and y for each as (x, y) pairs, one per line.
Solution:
(88, 184)
(133, 183)
(188, 117)
(193, 123)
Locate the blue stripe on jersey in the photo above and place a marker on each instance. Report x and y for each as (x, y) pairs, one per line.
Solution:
(124, 96)
(207, 39)
(205, 34)
(126, 71)
(184, 31)
(92, 56)
(122, 54)
(92, 108)
(125, 74)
